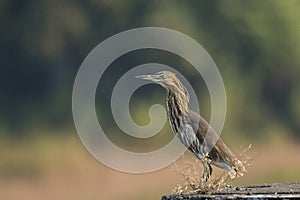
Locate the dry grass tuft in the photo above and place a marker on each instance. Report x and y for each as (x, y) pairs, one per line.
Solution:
(191, 171)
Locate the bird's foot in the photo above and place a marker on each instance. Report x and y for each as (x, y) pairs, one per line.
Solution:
(207, 171)
(204, 178)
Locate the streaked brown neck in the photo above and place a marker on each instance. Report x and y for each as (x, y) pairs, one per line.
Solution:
(177, 108)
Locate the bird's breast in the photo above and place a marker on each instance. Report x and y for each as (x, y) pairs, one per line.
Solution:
(188, 137)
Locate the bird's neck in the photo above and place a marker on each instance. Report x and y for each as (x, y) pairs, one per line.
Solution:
(177, 103)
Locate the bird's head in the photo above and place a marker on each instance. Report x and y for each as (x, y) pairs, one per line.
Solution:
(164, 78)
(168, 80)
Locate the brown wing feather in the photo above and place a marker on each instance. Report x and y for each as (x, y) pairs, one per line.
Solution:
(219, 152)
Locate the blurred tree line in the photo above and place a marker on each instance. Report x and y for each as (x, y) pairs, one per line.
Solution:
(255, 44)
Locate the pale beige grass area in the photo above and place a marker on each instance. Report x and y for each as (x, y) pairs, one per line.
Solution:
(63, 169)
(70, 172)
(275, 163)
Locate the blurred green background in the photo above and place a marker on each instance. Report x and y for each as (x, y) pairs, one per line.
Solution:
(255, 44)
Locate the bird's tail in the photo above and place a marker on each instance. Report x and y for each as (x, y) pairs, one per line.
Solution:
(238, 169)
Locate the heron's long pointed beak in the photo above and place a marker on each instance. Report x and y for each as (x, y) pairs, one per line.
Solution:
(146, 77)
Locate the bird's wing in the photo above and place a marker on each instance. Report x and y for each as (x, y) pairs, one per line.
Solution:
(203, 130)
(215, 148)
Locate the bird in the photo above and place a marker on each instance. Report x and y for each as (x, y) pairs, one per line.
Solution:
(193, 130)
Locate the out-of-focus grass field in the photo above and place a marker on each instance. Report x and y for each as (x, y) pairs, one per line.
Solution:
(59, 167)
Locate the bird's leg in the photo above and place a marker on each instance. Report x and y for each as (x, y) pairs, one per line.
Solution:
(206, 172)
